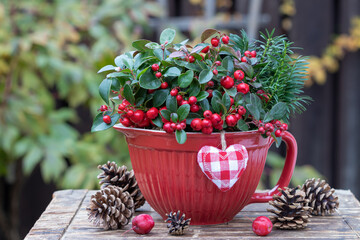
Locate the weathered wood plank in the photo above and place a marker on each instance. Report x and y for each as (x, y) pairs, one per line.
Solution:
(58, 215)
(342, 225)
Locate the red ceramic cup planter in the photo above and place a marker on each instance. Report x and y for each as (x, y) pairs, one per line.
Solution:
(170, 178)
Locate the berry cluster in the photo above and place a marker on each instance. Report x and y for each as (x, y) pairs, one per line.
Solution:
(275, 126)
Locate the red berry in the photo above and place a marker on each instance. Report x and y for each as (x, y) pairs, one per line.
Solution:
(241, 110)
(225, 39)
(138, 116)
(243, 88)
(284, 126)
(142, 224)
(179, 98)
(173, 126)
(207, 130)
(207, 114)
(262, 226)
(271, 129)
(150, 91)
(103, 108)
(155, 67)
(278, 123)
(144, 123)
(218, 63)
(194, 108)
(244, 59)
(263, 95)
(184, 102)
(192, 100)
(278, 133)
(253, 53)
(215, 72)
(238, 116)
(267, 126)
(174, 92)
(167, 127)
(130, 113)
(215, 119)
(125, 102)
(107, 119)
(122, 107)
(164, 85)
(178, 127)
(231, 101)
(210, 83)
(227, 82)
(247, 54)
(126, 122)
(231, 120)
(158, 74)
(191, 59)
(152, 113)
(196, 124)
(239, 75)
(210, 93)
(183, 125)
(215, 42)
(205, 49)
(220, 125)
(261, 130)
(206, 123)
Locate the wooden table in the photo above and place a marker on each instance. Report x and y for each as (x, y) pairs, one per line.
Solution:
(66, 218)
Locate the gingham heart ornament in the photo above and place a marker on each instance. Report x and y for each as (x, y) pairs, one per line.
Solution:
(223, 168)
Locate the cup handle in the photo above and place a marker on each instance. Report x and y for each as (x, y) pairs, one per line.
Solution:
(286, 173)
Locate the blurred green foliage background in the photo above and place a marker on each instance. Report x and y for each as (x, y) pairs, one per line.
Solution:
(50, 52)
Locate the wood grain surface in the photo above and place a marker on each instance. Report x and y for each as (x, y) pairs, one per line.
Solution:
(66, 218)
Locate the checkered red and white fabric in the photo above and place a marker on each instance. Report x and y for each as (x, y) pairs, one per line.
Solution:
(223, 168)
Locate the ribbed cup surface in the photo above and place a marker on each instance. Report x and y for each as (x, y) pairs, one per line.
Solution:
(170, 178)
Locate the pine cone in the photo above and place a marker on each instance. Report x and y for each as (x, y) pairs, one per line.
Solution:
(176, 224)
(291, 210)
(121, 177)
(111, 208)
(321, 196)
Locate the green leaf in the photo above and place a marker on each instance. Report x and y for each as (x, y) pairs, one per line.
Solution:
(128, 94)
(166, 114)
(106, 68)
(172, 72)
(194, 88)
(158, 122)
(205, 105)
(247, 68)
(167, 35)
(159, 54)
(231, 91)
(208, 33)
(171, 104)
(205, 76)
(99, 125)
(268, 117)
(279, 110)
(104, 90)
(148, 80)
(183, 111)
(215, 103)
(152, 45)
(202, 95)
(174, 117)
(253, 110)
(185, 79)
(140, 44)
(180, 136)
(228, 64)
(226, 100)
(241, 124)
(160, 97)
(124, 60)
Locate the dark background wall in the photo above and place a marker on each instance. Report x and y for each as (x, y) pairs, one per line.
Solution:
(327, 133)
